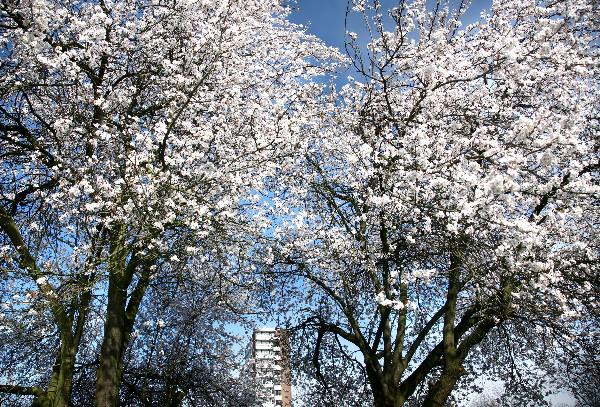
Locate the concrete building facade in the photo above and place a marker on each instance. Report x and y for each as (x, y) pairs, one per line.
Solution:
(271, 367)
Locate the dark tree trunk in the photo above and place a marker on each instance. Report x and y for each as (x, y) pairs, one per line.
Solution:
(387, 400)
(384, 394)
(61, 381)
(121, 311)
(438, 394)
(108, 376)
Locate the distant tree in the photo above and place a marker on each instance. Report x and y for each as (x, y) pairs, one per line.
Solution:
(182, 352)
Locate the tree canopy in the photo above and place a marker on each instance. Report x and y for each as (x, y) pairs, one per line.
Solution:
(170, 167)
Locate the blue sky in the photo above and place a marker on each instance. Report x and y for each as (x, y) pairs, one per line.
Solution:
(325, 18)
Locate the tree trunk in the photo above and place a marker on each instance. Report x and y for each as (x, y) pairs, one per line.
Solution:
(120, 314)
(438, 393)
(384, 394)
(388, 402)
(108, 376)
(61, 383)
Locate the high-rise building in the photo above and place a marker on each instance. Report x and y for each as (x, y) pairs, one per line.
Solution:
(270, 367)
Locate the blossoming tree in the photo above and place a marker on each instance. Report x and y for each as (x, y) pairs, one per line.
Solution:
(130, 134)
(449, 197)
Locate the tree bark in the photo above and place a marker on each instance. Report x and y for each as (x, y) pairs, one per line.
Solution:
(388, 400)
(120, 318)
(61, 381)
(440, 391)
(120, 315)
(110, 367)
(385, 394)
